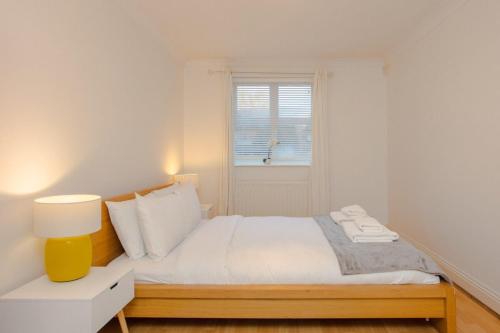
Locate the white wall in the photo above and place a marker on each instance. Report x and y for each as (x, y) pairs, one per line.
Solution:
(358, 132)
(358, 136)
(444, 151)
(89, 103)
(204, 125)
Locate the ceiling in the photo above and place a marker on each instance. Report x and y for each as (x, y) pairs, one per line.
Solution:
(195, 29)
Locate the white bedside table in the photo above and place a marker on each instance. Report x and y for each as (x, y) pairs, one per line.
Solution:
(207, 211)
(84, 305)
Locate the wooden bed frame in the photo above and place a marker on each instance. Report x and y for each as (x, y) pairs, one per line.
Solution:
(436, 302)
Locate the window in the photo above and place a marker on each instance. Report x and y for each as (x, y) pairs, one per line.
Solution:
(272, 123)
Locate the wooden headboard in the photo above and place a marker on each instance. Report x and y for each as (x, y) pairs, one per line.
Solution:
(105, 243)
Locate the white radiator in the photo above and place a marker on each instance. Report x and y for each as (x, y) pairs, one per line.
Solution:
(264, 198)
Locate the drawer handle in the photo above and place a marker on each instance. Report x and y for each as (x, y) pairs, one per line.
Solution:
(113, 286)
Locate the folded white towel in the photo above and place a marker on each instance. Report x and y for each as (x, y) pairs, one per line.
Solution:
(358, 236)
(354, 210)
(339, 217)
(368, 224)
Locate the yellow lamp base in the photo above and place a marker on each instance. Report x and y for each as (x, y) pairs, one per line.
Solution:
(68, 258)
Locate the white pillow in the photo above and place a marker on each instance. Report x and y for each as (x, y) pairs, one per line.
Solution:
(161, 222)
(124, 218)
(191, 208)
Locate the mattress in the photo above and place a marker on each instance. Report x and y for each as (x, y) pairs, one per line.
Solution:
(257, 250)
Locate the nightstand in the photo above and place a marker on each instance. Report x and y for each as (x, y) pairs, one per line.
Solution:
(83, 305)
(207, 211)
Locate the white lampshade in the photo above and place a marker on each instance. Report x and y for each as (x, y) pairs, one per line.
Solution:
(192, 178)
(67, 215)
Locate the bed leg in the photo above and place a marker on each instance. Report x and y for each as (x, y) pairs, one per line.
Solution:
(448, 324)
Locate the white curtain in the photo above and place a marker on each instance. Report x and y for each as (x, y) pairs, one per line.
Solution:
(320, 180)
(226, 163)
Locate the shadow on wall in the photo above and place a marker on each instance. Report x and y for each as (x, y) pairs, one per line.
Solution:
(21, 253)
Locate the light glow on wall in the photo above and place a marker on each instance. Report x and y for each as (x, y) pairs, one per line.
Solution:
(172, 163)
(26, 173)
(33, 159)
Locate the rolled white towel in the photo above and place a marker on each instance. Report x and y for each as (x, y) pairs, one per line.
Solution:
(368, 224)
(339, 217)
(354, 210)
(358, 236)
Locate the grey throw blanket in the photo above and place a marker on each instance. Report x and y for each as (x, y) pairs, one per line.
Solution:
(361, 258)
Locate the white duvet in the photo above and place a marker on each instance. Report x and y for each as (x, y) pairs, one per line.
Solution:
(258, 250)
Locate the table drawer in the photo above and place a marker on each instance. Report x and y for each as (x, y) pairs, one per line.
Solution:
(112, 300)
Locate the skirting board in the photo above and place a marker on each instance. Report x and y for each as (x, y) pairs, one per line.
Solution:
(486, 295)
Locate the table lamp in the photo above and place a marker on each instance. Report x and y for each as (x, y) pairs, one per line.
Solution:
(67, 222)
(192, 178)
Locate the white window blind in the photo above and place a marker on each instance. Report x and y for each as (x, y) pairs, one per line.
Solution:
(272, 119)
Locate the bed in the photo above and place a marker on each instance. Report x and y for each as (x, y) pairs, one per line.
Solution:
(203, 289)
